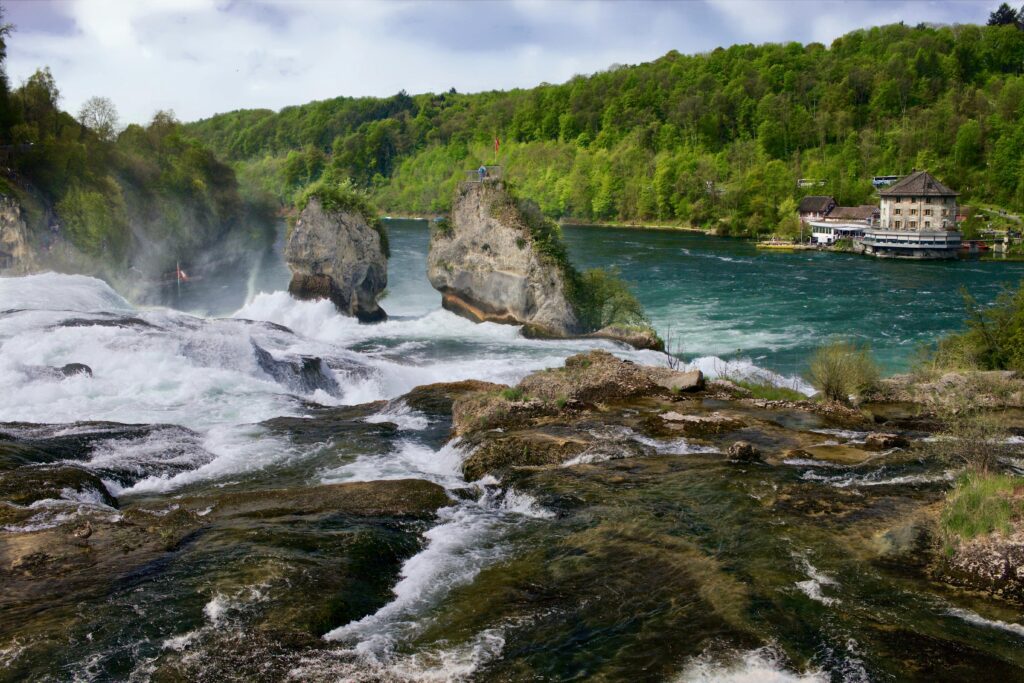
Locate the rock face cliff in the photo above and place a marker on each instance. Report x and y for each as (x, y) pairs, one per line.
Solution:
(16, 257)
(338, 255)
(488, 266)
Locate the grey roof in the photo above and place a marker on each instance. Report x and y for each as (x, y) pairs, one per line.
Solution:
(858, 213)
(918, 184)
(816, 203)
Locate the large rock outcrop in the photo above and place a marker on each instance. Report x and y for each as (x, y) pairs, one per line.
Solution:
(16, 257)
(338, 255)
(488, 266)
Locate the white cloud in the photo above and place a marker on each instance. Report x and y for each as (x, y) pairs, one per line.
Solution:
(200, 57)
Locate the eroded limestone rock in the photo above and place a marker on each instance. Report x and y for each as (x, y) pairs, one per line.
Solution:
(338, 255)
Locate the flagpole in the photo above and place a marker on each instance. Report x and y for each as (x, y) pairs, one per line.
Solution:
(177, 276)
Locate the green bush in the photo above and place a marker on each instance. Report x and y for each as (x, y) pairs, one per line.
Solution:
(603, 299)
(994, 338)
(342, 195)
(96, 221)
(840, 370)
(982, 503)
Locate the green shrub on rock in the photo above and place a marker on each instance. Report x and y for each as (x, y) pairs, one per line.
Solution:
(842, 370)
(335, 195)
(994, 338)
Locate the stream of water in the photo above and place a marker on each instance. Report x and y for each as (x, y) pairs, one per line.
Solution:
(667, 568)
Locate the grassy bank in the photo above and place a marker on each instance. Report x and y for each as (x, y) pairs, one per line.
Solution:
(982, 503)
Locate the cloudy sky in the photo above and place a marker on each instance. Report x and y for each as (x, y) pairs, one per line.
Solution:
(200, 57)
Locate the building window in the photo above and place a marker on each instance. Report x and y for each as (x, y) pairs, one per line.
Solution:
(897, 224)
(945, 212)
(927, 224)
(913, 212)
(898, 211)
(927, 212)
(912, 224)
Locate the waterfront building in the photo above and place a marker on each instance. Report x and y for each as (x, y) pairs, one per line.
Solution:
(843, 222)
(917, 220)
(814, 207)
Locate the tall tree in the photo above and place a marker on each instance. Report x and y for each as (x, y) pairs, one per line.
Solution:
(99, 115)
(1003, 16)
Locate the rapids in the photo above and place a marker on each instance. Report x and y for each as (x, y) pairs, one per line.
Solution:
(669, 567)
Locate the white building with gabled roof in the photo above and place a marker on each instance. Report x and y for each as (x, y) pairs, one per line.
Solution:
(917, 220)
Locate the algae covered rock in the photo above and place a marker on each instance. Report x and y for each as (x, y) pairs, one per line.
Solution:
(390, 498)
(593, 376)
(338, 251)
(437, 399)
(878, 441)
(586, 378)
(993, 563)
(744, 451)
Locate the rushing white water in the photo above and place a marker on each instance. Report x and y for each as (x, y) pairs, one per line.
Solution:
(763, 665)
(203, 385)
(813, 586)
(978, 620)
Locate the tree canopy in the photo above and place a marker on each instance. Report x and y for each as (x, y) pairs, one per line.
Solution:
(716, 139)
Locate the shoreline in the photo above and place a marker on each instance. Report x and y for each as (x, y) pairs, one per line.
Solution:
(575, 223)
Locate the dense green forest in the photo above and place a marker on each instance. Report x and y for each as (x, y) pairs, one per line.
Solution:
(716, 139)
(135, 199)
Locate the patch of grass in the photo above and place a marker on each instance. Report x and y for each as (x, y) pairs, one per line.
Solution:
(512, 394)
(561, 401)
(342, 195)
(982, 503)
(769, 392)
(842, 370)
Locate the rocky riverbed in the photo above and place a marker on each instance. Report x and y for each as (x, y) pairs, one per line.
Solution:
(612, 520)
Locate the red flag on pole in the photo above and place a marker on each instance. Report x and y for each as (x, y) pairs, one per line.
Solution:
(497, 144)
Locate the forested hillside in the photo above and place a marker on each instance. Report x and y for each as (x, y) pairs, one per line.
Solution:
(128, 202)
(716, 139)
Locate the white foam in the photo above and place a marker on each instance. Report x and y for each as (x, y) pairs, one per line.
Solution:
(235, 450)
(468, 537)
(714, 367)
(457, 549)
(402, 416)
(877, 478)
(978, 620)
(812, 587)
(57, 292)
(523, 504)
(763, 665)
(409, 460)
(216, 608)
(434, 665)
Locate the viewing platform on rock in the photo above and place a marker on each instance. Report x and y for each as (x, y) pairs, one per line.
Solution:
(490, 173)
